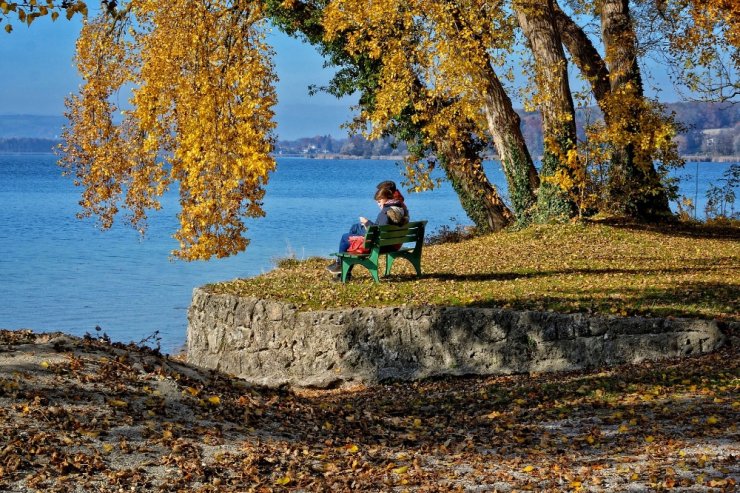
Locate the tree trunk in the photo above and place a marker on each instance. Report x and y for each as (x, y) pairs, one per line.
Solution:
(584, 56)
(555, 102)
(504, 126)
(634, 185)
(479, 198)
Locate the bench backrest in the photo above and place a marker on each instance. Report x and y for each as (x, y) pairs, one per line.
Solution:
(382, 236)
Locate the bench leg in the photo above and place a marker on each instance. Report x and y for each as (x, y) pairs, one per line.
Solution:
(348, 265)
(388, 263)
(416, 262)
(414, 259)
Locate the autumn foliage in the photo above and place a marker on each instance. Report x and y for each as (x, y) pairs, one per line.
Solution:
(180, 95)
(201, 119)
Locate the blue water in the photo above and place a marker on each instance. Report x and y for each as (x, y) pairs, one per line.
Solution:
(61, 273)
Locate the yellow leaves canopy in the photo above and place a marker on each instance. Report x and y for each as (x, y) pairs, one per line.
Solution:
(438, 45)
(201, 118)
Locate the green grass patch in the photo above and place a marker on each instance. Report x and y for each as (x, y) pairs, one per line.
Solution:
(620, 269)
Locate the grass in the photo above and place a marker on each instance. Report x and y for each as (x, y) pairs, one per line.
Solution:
(622, 269)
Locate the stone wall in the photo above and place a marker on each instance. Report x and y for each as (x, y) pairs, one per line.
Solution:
(271, 343)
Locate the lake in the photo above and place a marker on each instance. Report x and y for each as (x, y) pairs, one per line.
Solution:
(61, 273)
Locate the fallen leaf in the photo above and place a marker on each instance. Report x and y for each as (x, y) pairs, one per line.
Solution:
(284, 480)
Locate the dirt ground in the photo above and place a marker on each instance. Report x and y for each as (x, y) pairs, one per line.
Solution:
(85, 415)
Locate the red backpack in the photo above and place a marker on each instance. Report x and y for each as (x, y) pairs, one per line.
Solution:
(356, 245)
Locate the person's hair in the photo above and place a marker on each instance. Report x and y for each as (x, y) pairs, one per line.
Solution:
(390, 185)
(384, 194)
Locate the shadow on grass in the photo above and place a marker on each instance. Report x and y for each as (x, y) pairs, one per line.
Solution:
(681, 229)
(512, 276)
(686, 300)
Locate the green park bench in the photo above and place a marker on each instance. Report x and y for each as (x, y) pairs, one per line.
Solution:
(381, 240)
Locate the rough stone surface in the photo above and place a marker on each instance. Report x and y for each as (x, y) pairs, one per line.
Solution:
(271, 343)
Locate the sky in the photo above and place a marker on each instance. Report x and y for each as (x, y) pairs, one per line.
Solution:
(37, 74)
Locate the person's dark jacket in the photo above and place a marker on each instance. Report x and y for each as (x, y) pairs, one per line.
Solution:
(382, 218)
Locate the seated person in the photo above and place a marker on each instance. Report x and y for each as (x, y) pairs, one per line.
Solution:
(392, 211)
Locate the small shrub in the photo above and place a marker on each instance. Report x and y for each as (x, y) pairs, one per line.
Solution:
(286, 262)
(450, 234)
(686, 209)
(721, 199)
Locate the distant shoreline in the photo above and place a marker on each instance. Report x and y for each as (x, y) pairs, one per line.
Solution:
(692, 158)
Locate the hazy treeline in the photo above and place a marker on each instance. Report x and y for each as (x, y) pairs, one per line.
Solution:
(27, 144)
(710, 128)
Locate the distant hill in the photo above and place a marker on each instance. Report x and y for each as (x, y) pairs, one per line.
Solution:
(27, 144)
(711, 129)
(34, 126)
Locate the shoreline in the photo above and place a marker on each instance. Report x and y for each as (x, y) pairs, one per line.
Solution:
(692, 158)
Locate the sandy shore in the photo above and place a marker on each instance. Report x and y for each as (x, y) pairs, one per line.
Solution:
(86, 415)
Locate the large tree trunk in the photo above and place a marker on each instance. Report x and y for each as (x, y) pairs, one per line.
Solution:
(536, 18)
(479, 198)
(584, 56)
(504, 126)
(634, 185)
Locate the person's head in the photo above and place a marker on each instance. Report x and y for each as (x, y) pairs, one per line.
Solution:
(390, 185)
(383, 195)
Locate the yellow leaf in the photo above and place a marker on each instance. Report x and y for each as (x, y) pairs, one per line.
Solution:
(712, 420)
(352, 449)
(107, 447)
(623, 428)
(528, 469)
(43, 364)
(649, 439)
(417, 423)
(117, 403)
(401, 470)
(284, 480)
(191, 391)
(215, 400)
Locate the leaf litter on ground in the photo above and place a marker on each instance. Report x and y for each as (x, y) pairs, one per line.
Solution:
(89, 415)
